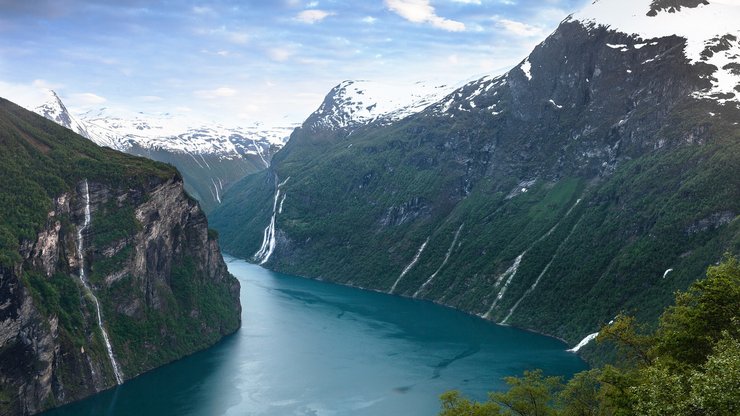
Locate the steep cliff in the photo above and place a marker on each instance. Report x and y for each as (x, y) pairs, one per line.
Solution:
(107, 267)
(551, 197)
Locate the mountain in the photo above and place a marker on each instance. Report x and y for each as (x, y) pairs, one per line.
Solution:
(599, 175)
(55, 110)
(107, 267)
(211, 157)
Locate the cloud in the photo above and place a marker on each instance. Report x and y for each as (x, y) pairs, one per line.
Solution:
(86, 99)
(217, 93)
(150, 98)
(312, 16)
(421, 11)
(369, 20)
(202, 10)
(520, 29)
(25, 95)
(467, 1)
(280, 54)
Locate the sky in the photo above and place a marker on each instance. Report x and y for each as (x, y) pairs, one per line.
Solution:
(262, 61)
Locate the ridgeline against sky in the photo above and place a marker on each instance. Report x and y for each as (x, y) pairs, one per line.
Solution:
(246, 61)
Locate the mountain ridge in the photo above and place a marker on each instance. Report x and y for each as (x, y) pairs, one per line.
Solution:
(486, 200)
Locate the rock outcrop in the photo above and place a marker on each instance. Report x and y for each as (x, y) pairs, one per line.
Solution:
(154, 282)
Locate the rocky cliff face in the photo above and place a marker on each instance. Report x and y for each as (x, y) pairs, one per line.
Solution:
(551, 197)
(120, 273)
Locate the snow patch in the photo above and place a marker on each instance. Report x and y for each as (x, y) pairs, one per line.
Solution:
(527, 69)
(702, 26)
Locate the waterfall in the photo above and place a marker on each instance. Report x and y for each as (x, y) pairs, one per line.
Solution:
(410, 265)
(268, 235)
(547, 267)
(584, 342)
(510, 272)
(88, 289)
(444, 262)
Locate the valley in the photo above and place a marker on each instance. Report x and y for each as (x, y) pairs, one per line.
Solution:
(558, 232)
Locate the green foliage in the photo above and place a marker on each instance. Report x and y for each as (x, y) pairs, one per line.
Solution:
(112, 223)
(193, 315)
(690, 329)
(689, 366)
(40, 160)
(454, 404)
(529, 395)
(421, 178)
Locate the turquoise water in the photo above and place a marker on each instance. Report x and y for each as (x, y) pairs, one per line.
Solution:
(313, 348)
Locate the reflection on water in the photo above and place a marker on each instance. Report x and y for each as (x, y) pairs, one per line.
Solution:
(314, 348)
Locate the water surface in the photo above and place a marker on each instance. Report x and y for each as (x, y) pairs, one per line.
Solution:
(313, 348)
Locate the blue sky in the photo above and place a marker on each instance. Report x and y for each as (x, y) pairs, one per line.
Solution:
(247, 61)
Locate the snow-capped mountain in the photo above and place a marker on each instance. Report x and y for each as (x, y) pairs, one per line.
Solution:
(359, 102)
(710, 29)
(550, 197)
(54, 109)
(181, 134)
(648, 33)
(210, 156)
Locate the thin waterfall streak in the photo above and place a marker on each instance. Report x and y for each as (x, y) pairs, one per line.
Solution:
(547, 267)
(282, 201)
(444, 262)
(410, 265)
(215, 187)
(88, 289)
(510, 272)
(259, 153)
(515, 267)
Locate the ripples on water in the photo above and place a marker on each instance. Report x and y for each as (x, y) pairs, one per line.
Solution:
(314, 348)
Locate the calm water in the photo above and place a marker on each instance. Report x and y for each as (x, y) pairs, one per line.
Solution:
(313, 348)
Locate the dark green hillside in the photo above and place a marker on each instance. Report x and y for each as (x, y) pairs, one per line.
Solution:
(149, 257)
(40, 160)
(558, 210)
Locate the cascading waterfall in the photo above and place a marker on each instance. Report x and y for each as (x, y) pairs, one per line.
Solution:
(88, 289)
(510, 272)
(584, 342)
(444, 262)
(410, 265)
(268, 236)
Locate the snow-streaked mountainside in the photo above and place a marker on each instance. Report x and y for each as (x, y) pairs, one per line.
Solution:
(711, 29)
(211, 157)
(175, 133)
(54, 109)
(496, 198)
(181, 134)
(358, 102)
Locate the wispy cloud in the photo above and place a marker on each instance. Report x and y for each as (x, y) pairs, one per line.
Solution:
(421, 11)
(312, 16)
(86, 99)
(216, 93)
(520, 29)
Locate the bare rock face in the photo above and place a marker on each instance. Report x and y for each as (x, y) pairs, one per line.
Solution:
(150, 263)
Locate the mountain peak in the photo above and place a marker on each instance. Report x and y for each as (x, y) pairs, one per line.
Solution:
(54, 109)
(709, 27)
(354, 102)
